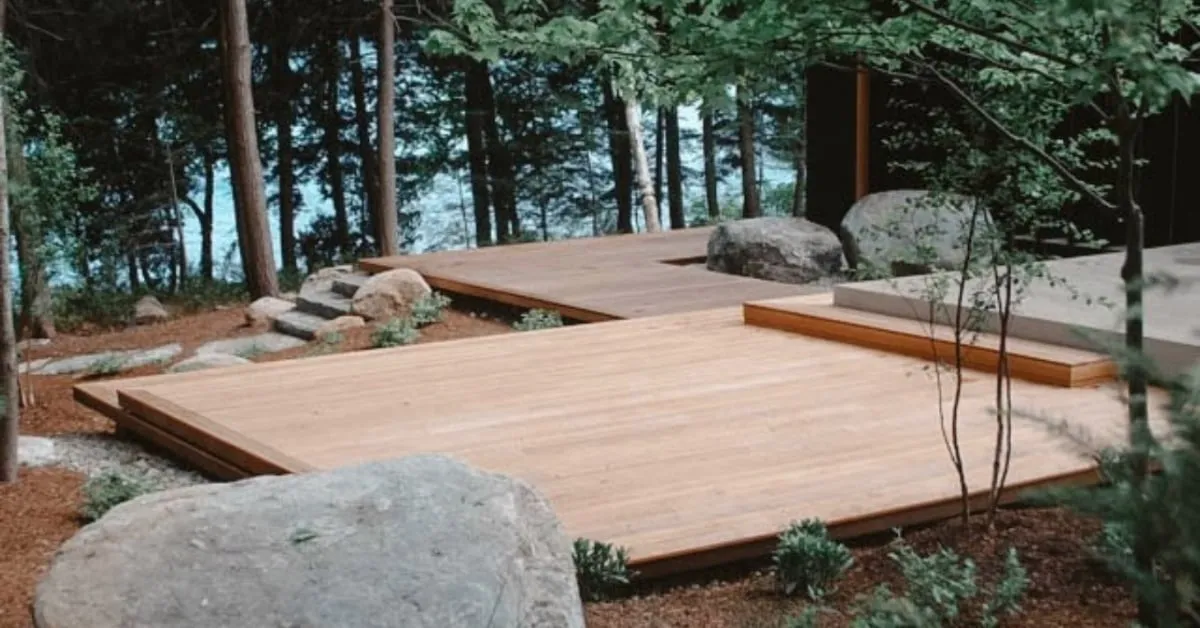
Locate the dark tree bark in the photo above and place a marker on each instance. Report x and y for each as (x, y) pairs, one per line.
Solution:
(258, 260)
(674, 170)
(281, 71)
(800, 164)
(10, 429)
(37, 316)
(500, 167)
(710, 168)
(362, 122)
(206, 217)
(476, 114)
(332, 136)
(750, 205)
(622, 158)
(385, 221)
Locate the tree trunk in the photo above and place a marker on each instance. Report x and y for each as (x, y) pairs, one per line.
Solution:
(800, 163)
(37, 315)
(622, 161)
(633, 117)
(674, 171)
(710, 168)
(258, 260)
(385, 220)
(370, 174)
(500, 166)
(10, 430)
(750, 206)
(333, 147)
(177, 211)
(659, 133)
(206, 219)
(475, 76)
(281, 70)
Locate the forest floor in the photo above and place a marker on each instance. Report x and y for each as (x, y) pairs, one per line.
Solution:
(41, 511)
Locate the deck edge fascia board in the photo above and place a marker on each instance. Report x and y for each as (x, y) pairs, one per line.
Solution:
(807, 320)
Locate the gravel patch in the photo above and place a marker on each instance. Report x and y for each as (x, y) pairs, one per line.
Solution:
(92, 454)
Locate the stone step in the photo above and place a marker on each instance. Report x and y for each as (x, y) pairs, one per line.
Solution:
(298, 324)
(347, 285)
(324, 303)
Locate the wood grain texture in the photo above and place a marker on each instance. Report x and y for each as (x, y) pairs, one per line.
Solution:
(1029, 360)
(593, 279)
(690, 439)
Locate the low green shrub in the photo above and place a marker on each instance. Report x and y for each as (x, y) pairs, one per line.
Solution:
(538, 319)
(600, 569)
(807, 560)
(395, 333)
(109, 489)
(428, 309)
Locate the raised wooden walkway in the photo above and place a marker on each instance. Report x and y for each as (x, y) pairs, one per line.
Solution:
(593, 279)
(692, 439)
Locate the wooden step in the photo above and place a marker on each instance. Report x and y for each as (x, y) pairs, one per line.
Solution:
(1028, 360)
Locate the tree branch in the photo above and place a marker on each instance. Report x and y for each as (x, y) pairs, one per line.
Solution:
(1071, 179)
(950, 20)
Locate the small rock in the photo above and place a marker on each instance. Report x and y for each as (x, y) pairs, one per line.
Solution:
(788, 250)
(205, 361)
(35, 451)
(149, 310)
(390, 294)
(249, 346)
(421, 542)
(267, 309)
(30, 343)
(340, 324)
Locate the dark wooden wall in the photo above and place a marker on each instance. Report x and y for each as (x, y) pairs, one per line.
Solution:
(1168, 187)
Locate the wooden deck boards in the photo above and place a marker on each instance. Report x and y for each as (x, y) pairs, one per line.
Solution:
(593, 279)
(691, 439)
(1029, 360)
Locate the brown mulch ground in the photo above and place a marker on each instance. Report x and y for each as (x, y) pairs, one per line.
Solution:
(37, 514)
(1066, 587)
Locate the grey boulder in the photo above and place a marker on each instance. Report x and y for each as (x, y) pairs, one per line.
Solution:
(149, 310)
(784, 249)
(902, 232)
(418, 542)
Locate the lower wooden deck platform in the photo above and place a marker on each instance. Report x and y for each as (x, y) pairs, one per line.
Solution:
(691, 439)
(594, 279)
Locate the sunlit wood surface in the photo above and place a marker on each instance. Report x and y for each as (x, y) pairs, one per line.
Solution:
(690, 439)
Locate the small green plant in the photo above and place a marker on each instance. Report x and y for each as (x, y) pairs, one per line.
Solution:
(807, 560)
(109, 489)
(428, 309)
(937, 587)
(395, 333)
(538, 319)
(600, 569)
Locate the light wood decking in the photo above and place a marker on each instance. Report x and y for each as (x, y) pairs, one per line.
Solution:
(593, 279)
(691, 439)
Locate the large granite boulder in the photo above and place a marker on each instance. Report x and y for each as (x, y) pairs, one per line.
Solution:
(789, 250)
(209, 360)
(903, 232)
(267, 309)
(419, 542)
(390, 294)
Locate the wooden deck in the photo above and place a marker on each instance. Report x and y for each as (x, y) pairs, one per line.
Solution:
(593, 279)
(691, 439)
